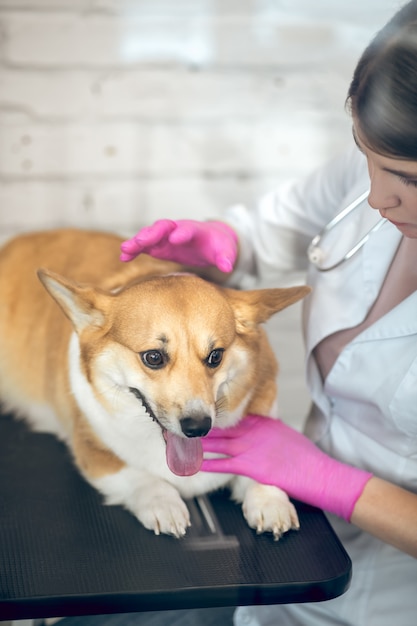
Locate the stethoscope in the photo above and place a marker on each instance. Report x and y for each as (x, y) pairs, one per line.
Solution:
(315, 253)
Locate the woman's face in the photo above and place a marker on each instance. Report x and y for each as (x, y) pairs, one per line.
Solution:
(393, 188)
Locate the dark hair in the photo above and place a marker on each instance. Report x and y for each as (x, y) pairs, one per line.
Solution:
(383, 93)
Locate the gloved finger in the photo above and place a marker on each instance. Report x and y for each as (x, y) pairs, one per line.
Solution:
(184, 232)
(224, 433)
(230, 445)
(129, 246)
(154, 234)
(124, 256)
(224, 262)
(221, 446)
(223, 466)
(224, 251)
(146, 239)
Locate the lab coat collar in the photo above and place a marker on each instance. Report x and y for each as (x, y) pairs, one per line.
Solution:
(377, 257)
(341, 298)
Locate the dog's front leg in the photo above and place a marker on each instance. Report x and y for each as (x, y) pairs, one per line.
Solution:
(266, 508)
(155, 503)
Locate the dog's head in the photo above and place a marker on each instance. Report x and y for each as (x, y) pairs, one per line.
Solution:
(174, 349)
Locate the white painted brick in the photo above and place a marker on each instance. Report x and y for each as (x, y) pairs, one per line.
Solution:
(41, 205)
(323, 10)
(169, 95)
(152, 7)
(42, 150)
(269, 146)
(208, 95)
(122, 206)
(99, 40)
(373, 12)
(41, 5)
(51, 95)
(33, 150)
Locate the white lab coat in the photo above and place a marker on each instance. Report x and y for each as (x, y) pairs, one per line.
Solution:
(366, 412)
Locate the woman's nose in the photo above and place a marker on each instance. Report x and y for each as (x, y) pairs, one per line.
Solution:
(380, 200)
(382, 196)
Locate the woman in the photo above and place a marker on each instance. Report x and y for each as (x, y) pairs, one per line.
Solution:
(361, 338)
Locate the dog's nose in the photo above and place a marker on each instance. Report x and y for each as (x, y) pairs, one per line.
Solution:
(195, 426)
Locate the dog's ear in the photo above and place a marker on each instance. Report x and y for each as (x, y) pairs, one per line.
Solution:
(257, 306)
(82, 304)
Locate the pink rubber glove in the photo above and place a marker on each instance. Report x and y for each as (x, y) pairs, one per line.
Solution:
(188, 242)
(272, 453)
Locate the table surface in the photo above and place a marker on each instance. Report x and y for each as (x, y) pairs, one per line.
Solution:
(63, 553)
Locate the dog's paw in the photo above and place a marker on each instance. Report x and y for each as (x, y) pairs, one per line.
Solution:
(154, 502)
(268, 509)
(164, 512)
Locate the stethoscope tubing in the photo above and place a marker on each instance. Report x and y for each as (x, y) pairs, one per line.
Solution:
(314, 252)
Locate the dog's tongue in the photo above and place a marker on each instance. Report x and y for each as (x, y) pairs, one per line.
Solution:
(184, 455)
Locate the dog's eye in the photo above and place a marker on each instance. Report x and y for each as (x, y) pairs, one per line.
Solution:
(215, 357)
(153, 359)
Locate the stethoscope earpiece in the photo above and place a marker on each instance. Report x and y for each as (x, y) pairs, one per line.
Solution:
(315, 255)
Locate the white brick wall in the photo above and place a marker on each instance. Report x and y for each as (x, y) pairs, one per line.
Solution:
(116, 112)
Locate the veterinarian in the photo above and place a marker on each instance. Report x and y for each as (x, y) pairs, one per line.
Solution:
(358, 457)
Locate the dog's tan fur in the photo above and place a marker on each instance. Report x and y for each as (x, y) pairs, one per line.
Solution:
(87, 372)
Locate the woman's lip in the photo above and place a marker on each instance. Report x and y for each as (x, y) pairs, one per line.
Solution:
(407, 229)
(398, 224)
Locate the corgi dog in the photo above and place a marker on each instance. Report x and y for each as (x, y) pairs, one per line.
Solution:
(131, 364)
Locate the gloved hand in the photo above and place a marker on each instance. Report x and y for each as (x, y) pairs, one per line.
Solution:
(272, 453)
(188, 242)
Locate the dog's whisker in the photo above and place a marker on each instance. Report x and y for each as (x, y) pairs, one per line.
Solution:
(221, 406)
(113, 389)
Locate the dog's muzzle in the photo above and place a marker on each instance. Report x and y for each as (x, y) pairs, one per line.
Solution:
(184, 455)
